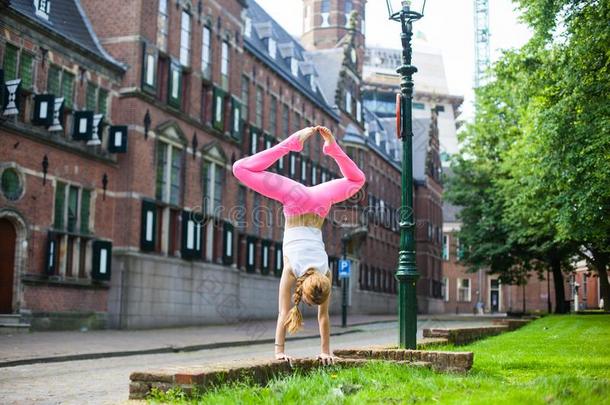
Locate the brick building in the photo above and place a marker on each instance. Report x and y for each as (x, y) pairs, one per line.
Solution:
(121, 210)
(54, 220)
(462, 289)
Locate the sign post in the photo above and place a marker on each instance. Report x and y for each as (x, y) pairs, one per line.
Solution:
(344, 274)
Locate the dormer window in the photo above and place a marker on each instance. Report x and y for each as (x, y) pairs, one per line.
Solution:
(43, 8)
(348, 102)
(248, 27)
(325, 13)
(312, 82)
(294, 67)
(272, 48)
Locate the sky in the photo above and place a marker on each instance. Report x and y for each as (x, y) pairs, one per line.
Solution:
(448, 25)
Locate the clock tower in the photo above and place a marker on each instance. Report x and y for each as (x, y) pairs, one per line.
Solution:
(327, 23)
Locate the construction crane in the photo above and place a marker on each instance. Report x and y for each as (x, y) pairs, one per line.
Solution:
(482, 58)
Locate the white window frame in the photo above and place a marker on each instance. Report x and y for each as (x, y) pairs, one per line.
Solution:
(303, 169)
(224, 65)
(213, 166)
(459, 286)
(272, 47)
(185, 38)
(163, 25)
(348, 102)
(293, 163)
(294, 66)
(248, 27)
(446, 241)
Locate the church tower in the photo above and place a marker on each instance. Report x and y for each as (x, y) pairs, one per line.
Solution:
(326, 23)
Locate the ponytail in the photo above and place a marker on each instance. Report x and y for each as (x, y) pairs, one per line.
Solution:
(294, 321)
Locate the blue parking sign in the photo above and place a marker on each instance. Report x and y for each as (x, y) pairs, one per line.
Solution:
(344, 268)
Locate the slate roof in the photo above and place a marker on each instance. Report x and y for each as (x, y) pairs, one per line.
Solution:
(67, 19)
(328, 61)
(255, 44)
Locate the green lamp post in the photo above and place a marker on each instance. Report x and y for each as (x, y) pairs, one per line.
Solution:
(407, 275)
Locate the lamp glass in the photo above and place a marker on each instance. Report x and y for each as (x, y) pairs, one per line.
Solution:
(414, 9)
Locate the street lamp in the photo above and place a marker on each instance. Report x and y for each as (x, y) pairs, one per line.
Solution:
(407, 274)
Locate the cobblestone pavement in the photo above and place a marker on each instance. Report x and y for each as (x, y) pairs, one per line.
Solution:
(106, 381)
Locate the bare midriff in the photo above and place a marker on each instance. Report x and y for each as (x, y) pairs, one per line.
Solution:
(309, 219)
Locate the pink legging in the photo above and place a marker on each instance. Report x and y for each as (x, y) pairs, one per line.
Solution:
(297, 198)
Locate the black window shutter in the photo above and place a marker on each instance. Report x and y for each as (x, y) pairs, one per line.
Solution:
(148, 226)
(236, 122)
(191, 236)
(250, 254)
(117, 139)
(51, 256)
(265, 247)
(82, 125)
(228, 244)
(102, 260)
(218, 109)
(44, 106)
(279, 260)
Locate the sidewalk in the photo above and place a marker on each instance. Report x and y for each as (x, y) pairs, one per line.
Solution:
(45, 347)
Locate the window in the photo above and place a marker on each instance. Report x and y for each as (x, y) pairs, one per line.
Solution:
(206, 53)
(43, 8)
(463, 291)
(224, 66)
(445, 247)
(348, 102)
(445, 289)
(18, 65)
(358, 111)
(162, 25)
(314, 174)
(185, 38)
(67, 89)
(294, 67)
(219, 109)
(26, 70)
(91, 97)
(325, 10)
(11, 55)
(248, 27)
(259, 107)
(293, 165)
(72, 224)
(236, 118)
(169, 173)
(419, 106)
(245, 95)
(285, 113)
(312, 82)
(213, 178)
(253, 141)
(303, 169)
(459, 249)
(272, 115)
(175, 84)
(272, 47)
(11, 184)
(102, 101)
(347, 8)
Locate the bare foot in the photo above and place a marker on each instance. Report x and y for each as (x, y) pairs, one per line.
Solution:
(305, 133)
(326, 134)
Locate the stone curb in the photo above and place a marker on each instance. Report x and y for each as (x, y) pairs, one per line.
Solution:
(460, 362)
(204, 377)
(462, 336)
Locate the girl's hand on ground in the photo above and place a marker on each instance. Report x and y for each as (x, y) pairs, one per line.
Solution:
(327, 359)
(283, 356)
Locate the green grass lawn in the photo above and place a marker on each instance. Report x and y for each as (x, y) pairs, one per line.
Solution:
(554, 360)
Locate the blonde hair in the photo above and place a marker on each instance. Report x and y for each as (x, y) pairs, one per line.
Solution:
(317, 289)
